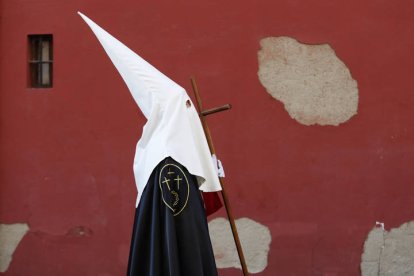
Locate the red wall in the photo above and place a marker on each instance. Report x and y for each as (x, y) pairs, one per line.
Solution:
(67, 152)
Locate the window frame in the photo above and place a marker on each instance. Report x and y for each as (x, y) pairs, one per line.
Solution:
(36, 60)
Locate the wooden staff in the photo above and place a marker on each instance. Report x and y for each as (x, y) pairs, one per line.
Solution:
(213, 151)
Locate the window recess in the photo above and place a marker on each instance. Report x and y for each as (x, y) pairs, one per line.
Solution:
(41, 61)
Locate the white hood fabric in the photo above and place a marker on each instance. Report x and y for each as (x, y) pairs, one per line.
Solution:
(173, 127)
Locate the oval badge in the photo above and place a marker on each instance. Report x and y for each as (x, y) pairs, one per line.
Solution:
(175, 188)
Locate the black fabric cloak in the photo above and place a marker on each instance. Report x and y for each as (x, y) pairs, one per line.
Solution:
(170, 233)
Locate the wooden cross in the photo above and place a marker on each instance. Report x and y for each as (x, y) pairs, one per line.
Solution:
(203, 114)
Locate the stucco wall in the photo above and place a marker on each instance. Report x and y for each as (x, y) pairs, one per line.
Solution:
(66, 152)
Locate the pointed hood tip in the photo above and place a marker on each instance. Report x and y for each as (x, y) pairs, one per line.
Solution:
(84, 17)
(142, 79)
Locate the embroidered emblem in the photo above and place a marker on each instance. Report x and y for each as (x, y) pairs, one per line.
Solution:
(175, 188)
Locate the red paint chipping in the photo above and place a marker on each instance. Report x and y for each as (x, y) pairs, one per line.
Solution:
(67, 152)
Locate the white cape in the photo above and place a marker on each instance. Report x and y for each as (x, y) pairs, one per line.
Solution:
(173, 127)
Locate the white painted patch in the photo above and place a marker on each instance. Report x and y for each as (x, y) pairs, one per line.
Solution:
(314, 85)
(389, 253)
(255, 239)
(10, 237)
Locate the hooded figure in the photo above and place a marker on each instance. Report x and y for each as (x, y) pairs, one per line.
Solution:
(172, 163)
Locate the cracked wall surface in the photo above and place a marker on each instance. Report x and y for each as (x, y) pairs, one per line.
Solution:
(389, 252)
(255, 239)
(314, 85)
(10, 237)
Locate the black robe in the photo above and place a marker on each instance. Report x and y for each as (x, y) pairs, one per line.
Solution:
(170, 234)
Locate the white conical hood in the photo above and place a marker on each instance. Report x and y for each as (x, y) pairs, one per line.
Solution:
(173, 127)
(142, 79)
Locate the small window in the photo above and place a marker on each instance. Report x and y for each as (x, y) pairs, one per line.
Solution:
(40, 60)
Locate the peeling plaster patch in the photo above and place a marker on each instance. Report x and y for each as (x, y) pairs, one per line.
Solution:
(255, 239)
(389, 253)
(10, 237)
(372, 251)
(314, 85)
